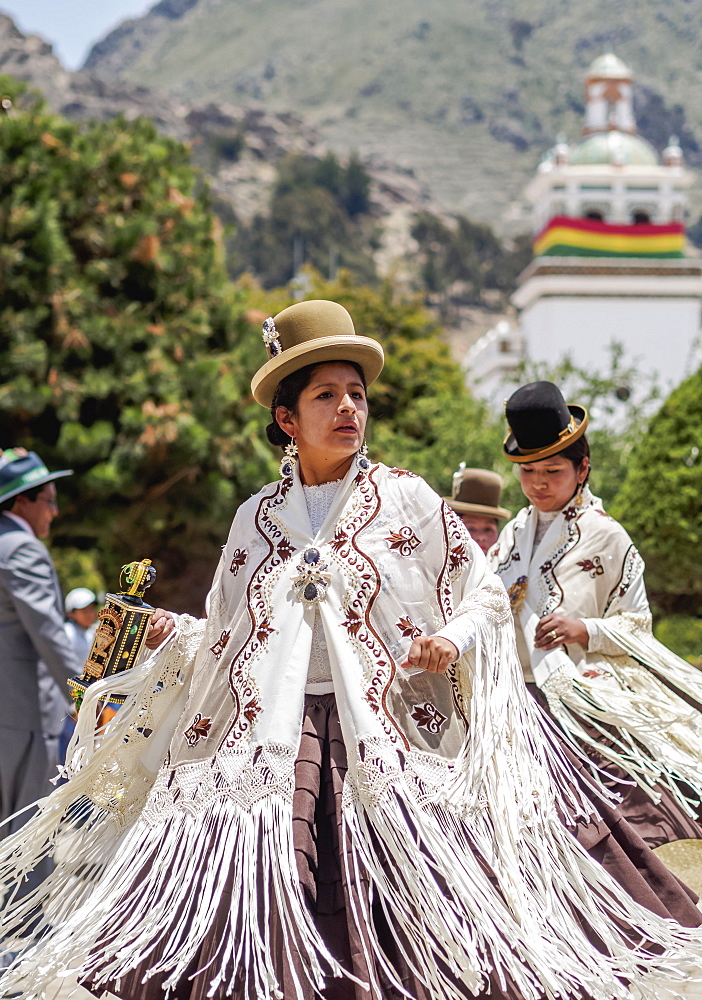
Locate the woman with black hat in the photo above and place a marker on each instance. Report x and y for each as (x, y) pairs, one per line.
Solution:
(337, 782)
(575, 581)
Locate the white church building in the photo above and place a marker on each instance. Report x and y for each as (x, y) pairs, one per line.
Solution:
(610, 260)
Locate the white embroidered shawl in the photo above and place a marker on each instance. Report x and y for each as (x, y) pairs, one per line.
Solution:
(453, 781)
(586, 566)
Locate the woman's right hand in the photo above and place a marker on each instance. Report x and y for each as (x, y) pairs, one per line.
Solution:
(162, 624)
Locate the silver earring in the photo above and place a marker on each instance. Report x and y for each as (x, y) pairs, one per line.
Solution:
(289, 460)
(362, 460)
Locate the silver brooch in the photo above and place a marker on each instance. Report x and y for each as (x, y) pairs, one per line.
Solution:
(270, 337)
(311, 581)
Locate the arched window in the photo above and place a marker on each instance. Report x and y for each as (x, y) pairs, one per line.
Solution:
(594, 213)
(640, 218)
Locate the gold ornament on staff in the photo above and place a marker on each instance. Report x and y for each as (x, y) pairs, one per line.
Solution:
(123, 625)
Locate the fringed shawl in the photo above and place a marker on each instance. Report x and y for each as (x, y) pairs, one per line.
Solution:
(586, 567)
(453, 800)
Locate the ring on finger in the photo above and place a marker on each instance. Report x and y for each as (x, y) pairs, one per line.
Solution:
(553, 634)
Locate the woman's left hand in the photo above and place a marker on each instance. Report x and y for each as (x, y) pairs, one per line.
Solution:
(432, 653)
(559, 630)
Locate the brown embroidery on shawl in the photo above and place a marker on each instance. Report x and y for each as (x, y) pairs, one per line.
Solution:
(407, 628)
(284, 549)
(238, 560)
(428, 716)
(592, 566)
(199, 730)
(259, 613)
(631, 567)
(359, 606)
(247, 704)
(403, 540)
(264, 630)
(340, 539)
(353, 622)
(458, 557)
(403, 472)
(221, 643)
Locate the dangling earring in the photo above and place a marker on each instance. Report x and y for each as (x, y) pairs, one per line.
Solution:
(289, 460)
(362, 461)
(578, 502)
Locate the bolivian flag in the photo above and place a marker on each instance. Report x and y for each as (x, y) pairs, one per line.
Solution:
(566, 237)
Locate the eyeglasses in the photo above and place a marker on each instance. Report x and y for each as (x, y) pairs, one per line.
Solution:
(49, 501)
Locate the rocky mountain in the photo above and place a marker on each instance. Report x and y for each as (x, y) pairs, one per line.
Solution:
(468, 95)
(238, 144)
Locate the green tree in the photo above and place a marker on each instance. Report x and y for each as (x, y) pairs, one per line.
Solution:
(660, 501)
(318, 215)
(124, 352)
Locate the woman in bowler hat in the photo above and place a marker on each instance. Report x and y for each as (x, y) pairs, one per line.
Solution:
(575, 581)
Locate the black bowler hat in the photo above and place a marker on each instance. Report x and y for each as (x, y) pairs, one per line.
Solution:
(23, 470)
(541, 423)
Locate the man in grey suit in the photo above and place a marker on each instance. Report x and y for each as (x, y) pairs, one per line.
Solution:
(31, 629)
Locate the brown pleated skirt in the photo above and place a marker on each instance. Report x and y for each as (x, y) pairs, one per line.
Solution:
(320, 770)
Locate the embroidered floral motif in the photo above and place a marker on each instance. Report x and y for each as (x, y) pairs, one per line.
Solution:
(199, 730)
(353, 621)
(592, 566)
(517, 592)
(284, 549)
(340, 539)
(595, 673)
(221, 643)
(403, 472)
(428, 716)
(545, 567)
(458, 557)
(403, 541)
(238, 560)
(264, 630)
(408, 630)
(570, 512)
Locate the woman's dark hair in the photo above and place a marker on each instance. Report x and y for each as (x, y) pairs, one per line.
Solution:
(576, 452)
(288, 395)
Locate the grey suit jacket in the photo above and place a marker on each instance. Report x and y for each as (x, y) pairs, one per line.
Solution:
(31, 627)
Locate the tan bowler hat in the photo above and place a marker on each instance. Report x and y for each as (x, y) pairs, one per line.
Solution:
(310, 333)
(477, 491)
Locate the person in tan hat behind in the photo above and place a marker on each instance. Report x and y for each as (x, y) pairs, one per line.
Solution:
(324, 820)
(475, 497)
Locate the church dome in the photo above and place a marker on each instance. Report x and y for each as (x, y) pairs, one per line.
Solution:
(609, 67)
(614, 147)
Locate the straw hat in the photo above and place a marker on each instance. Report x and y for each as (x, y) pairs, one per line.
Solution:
(310, 333)
(541, 423)
(477, 491)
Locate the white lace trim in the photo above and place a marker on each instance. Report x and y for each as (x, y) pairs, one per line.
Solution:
(545, 520)
(319, 679)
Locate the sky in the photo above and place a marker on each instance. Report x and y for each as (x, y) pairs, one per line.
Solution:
(72, 26)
